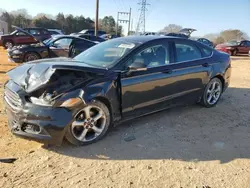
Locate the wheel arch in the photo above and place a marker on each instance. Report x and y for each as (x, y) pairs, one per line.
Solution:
(28, 52)
(105, 101)
(221, 79)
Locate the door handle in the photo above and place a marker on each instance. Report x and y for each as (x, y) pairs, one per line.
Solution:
(205, 65)
(169, 71)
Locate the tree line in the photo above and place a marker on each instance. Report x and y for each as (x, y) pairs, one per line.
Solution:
(67, 23)
(216, 38)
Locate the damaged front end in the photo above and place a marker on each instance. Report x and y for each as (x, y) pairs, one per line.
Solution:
(42, 99)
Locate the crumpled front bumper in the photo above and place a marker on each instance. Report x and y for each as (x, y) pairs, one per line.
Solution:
(16, 58)
(40, 123)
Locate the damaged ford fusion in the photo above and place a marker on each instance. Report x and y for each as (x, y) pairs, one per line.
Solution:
(80, 99)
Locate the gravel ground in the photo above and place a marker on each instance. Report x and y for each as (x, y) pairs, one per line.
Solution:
(182, 147)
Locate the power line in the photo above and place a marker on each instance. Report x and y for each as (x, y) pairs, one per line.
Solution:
(116, 4)
(142, 21)
(123, 20)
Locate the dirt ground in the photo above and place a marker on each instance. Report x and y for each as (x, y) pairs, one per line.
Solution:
(182, 147)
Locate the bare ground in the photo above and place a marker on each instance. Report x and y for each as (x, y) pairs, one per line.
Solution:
(182, 147)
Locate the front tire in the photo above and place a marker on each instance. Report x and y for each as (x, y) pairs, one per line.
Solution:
(31, 56)
(8, 44)
(90, 124)
(212, 93)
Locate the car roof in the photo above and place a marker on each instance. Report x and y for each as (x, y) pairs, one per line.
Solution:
(143, 39)
(35, 28)
(55, 37)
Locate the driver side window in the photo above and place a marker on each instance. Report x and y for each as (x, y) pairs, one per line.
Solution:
(63, 43)
(153, 56)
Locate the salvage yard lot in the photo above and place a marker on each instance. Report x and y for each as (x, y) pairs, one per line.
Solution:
(183, 147)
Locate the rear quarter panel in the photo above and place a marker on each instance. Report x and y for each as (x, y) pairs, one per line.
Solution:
(221, 64)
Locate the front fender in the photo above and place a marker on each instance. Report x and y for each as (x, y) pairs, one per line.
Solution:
(108, 93)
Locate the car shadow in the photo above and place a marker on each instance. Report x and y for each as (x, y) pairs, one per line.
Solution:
(191, 133)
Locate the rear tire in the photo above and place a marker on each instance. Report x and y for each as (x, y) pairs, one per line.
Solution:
(212, 93)
(31, 56)
(8, 44)
(85, 129)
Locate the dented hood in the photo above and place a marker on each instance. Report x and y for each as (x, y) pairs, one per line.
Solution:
(32, 76)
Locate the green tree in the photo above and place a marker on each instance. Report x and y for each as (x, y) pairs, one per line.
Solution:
(61, 20)
(233, 34)
(171, 28)
(5, 16)
(45, 22)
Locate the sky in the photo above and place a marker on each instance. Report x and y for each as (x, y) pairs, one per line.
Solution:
(207, 16)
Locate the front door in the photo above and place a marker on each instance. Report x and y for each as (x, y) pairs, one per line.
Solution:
(243, 47)
(60, 47)
(165, 81)
(23, 38)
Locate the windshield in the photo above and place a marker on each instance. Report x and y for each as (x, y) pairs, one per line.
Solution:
(14, 32)
(105, 54)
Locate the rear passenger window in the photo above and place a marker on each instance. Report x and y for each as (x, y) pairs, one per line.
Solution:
(207, 52)
(186, 52)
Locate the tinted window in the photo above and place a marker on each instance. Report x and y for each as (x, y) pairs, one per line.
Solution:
(206, 51)
(84, 36)
(248, 43)
(152, 57)
(53, 33)
(35, 31)
(186, 52)
(83, 44)
(244, 43)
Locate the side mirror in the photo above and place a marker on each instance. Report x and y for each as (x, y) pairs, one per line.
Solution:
(137, 66)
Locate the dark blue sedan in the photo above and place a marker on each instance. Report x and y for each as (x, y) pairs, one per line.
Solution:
(114, 81)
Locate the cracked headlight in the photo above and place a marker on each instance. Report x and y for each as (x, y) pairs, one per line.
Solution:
(38, 101)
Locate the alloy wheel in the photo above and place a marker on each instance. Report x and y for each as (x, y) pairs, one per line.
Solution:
(88, 124)
(8, 45)
(31, 57)
(214, 92)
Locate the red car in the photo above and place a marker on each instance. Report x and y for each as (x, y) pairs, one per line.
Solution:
(234, 48)
(18, 37)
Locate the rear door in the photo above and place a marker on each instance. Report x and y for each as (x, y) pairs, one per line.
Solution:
(243, 47)
(248, 46)
(78, 46)
(192, 66)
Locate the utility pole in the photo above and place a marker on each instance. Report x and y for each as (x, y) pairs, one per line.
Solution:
(123, 20)
(96, 17)
(129, 21)
(141, 21)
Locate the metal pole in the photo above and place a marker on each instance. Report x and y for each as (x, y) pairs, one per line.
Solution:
(129, 20)
(117, 23)
(96, 17)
